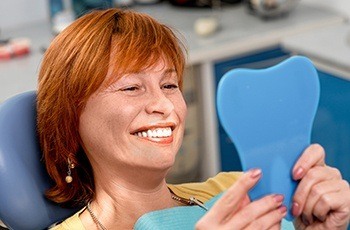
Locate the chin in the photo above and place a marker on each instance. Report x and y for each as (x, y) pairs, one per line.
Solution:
(163, 165)
(157, 159)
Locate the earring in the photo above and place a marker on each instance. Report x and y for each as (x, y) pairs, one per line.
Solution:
(69, 178)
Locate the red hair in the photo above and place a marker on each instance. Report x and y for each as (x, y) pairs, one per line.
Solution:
(74, 67)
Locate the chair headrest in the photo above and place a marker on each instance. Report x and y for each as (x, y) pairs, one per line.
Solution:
(23, 178)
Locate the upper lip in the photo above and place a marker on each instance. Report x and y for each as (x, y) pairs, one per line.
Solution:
(172, 125)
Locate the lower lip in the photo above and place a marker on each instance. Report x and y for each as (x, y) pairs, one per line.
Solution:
(161, 140)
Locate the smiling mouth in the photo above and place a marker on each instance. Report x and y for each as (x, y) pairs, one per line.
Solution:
(164, 132)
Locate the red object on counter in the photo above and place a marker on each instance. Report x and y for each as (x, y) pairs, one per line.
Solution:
(14, 48)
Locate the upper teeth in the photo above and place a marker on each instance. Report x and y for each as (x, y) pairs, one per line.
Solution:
(158, 132)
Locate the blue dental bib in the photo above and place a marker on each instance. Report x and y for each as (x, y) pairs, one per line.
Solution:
(181, 218)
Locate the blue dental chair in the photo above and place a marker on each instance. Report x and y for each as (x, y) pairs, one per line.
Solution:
(22, 202)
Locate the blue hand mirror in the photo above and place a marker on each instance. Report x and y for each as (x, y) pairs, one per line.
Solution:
(268, 114)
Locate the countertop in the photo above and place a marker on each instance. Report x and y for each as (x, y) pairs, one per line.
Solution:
(240, 31)
(328, 47)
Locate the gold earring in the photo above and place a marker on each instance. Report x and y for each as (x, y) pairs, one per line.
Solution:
(69, 177)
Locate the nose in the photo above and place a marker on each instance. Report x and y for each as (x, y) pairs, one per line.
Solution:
(159, 103)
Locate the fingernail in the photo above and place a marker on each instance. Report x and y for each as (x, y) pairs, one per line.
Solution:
(298, 173)
(278, 198)
(254, 173)
(295, 209)
(304, 220)
(283, 209)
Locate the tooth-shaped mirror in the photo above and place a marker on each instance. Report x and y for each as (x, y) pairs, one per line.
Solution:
(268, 114)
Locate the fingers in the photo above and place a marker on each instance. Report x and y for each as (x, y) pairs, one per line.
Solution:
(317, 197)
(276, 226)
(269, 220)
(230, 202)
(333, 203)
(261, 214)
(331, 210)
(233, 211)
(312, 156)
(298, 224)
(310, 182)
(322, 198)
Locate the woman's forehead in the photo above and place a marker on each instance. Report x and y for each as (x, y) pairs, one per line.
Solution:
(159, 67)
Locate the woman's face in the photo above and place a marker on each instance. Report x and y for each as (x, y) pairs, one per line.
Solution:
(137, 121)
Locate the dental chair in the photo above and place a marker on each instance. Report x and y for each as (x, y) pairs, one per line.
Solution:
(23, 177)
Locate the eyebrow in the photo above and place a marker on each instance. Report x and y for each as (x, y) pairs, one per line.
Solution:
(169, 74)
(144, 71)
(165, 73)
(169, 71)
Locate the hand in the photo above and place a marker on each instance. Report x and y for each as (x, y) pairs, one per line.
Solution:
(235, 211)
(322, 198)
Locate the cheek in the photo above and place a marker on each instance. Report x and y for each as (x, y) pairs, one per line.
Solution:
(103, 120)
(114, 119)
(122, 116)
(181, 109)
(91, 126)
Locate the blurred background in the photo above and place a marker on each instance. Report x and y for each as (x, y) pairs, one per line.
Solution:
(220, 35)
(21, 12)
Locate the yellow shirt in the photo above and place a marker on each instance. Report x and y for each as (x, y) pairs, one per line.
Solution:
(203, 191)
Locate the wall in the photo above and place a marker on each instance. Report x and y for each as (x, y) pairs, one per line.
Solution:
(20, 12)
(15, 13)
(342, 6)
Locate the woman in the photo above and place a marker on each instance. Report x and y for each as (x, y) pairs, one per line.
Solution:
(111, 120)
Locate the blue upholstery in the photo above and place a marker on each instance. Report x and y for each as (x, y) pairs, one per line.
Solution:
(268, 114)
(23, 178)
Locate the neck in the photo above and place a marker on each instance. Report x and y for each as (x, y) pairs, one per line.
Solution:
(120, 202)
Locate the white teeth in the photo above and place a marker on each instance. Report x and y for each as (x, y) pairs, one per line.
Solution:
(158, 132)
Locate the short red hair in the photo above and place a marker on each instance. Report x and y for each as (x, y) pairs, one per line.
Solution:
(74, 67)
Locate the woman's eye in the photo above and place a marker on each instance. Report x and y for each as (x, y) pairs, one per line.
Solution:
(131, 88)
(170, 86)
